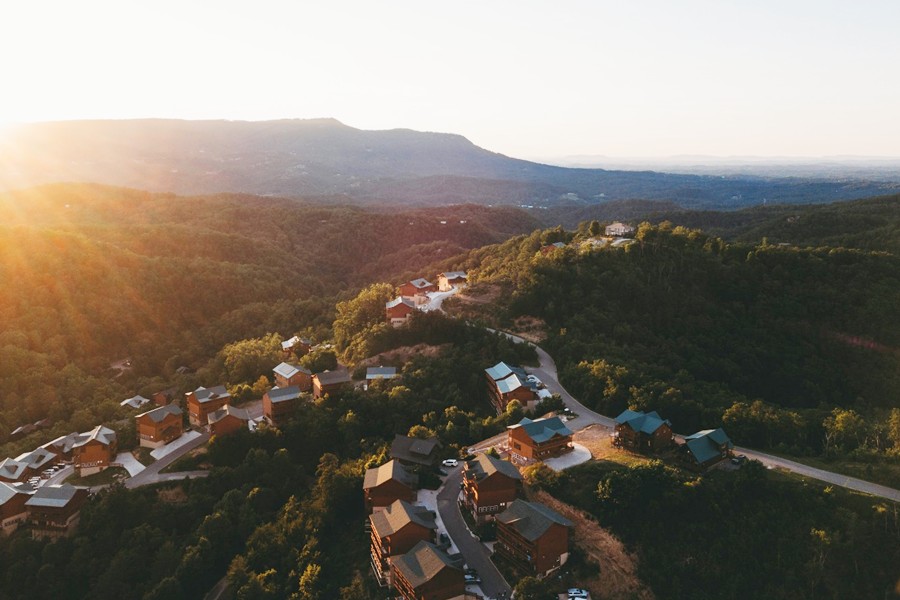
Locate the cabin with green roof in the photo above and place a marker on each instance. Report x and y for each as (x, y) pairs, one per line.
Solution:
(706, 448)
(533, 536)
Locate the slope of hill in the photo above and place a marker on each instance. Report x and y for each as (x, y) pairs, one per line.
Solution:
(323, 157)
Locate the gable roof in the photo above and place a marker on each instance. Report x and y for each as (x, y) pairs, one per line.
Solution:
(414, 449)
(226, 411)
(400, 514)
(8, 492)
(531, 519)
(398, 301)
(510, 384)
(423, 563)
(57, 496)
(454, 275)
(290, 343)
(158, 415)
(277, 394)
(333, 377)
(391, 470)
(135, 401)
(104, 435)
(642, 422)
(288, 370)
(706, 445)
(381, 372)
(485, 465)
(204, 395)
(541, 430)
(63, 444)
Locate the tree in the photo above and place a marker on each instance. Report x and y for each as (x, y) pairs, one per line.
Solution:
(532, 588)
(844, 429)
(893, 429)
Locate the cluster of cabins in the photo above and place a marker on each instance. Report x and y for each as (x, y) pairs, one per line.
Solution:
(411, 295)
(52, 511)
(509, 382)
(406, 553)
(648, 433)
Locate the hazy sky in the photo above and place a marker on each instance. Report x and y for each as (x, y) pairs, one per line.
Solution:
(525, 78)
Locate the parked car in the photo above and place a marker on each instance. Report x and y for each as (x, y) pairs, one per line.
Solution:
(577, 593)
(739, 459)
(472, 579)
(533, 379)
(450, 462)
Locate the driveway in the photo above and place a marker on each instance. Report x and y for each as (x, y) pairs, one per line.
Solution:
(152, 474)
(475, 553)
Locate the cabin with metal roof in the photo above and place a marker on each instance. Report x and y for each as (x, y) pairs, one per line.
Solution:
(397, 311)
(396, 530)
(415, 451)
(288, 374)
(330, 382)
(203, 401)
(384, 485)
(530, 441)
(452, 279)
(489, 485)
(160, 426)
(12, 507)
(228, 419)
(280, 404)
(706, 448)
(427, 573)
(53, 511)
(94, 450)
(507, 383)
(134, 402)
(646, 433)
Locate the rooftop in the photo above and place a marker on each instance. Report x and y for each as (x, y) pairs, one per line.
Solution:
(288, 370)
(642, 422)
(333, 377)
(277, 394)
(398, 301)
(104, 435)
(400, 514)
(391, 470)
(485, 465)
(542, 430)
(415, 450)
(203, 394)
(225, 411)
(421, 564)
(531, 519)
(158, 415)
(381, 372)
(57, 496)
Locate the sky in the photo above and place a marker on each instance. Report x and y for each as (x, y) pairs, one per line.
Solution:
(525, 78)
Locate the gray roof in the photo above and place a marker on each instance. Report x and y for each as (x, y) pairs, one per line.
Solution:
(104, 435)
(206, 394)
(289, 343)
(135, 401)
(400, 514)
(503, 370)
(541, 430)
(8, 492)
(531, 519)
(333, 377)
(37, 458)
(421, 564)
(12, 469)
(288, 370)
(642, 422)
(415, 450)
(381, 372)
(63, 443)
(277, 394)
(484, 465)
(455, 275)
(421, 283)
(52, 496)
(398, 301)
(218, 415)
(706, 445)
(510, 384)
(386, 472)
(158, 415)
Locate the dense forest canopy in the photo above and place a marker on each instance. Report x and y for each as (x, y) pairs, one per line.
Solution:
(94, 274)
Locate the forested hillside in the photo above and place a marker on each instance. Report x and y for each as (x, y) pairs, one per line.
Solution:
(93, 274)
(699, 329)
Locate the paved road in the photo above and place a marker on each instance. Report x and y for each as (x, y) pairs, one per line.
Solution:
(476, 554)
(548, 374)
(152, 474)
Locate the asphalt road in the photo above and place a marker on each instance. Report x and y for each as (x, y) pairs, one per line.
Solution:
(548, 375)
(152, 474)
(476, 554)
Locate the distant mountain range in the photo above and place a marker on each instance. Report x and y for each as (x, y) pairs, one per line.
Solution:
(323, 157)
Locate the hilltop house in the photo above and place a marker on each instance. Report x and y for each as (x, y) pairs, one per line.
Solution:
(643, 432)
(288, 374)
(396, 530)
(706, 448)
(297, 346)
(427, 573)
(329, 382)
(94, 450)
(451, 279)
(415, 451)
(160, 426)
(203, 401)
(62, 447)
(12, 508)
(37, 460)
(619, 229)
(508, 382)
(384, 485)
(279, 404)
(228, 419)
(12, 471)
(417, 289)
(533, 536)
(53, 511)
(539, 439)
(489, 485)
(397, 311)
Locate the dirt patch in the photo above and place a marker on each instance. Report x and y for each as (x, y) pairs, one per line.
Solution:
(400, 356)
(596, 439)
(617, 578)
(175, 495)
(530, 328)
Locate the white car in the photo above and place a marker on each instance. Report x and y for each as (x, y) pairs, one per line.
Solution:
(450, 462)
(577, 593)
